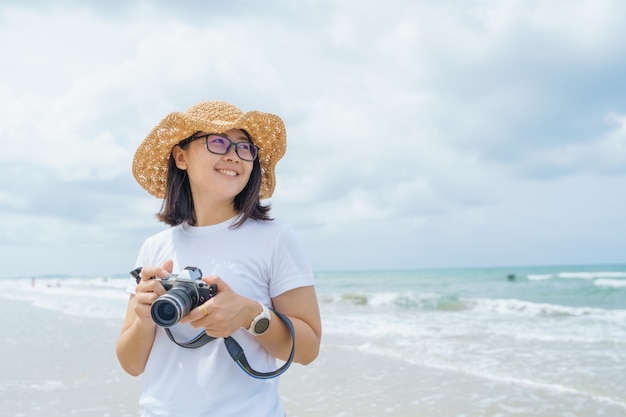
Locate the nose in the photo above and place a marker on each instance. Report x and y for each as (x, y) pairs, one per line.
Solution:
(231, 153)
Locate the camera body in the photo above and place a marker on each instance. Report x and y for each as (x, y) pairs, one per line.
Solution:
(184, 292)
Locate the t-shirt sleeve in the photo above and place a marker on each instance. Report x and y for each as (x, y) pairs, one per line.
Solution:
(291, 266)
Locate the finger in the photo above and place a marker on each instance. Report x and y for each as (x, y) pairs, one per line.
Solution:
(216, 280)
(146, 297)
(196, 315)
(168, 265)
(149, 272)
(150, 286)
(143, 301)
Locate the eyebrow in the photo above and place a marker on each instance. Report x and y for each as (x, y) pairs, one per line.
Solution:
(241, 138)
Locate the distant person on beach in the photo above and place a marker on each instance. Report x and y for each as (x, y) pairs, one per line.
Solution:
(212, 165)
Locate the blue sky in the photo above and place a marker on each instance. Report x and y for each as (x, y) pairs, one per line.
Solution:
(420, 133)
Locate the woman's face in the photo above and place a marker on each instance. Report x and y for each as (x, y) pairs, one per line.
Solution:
(220, 177)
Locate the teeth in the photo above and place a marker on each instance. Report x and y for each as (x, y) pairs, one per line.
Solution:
(227, 172)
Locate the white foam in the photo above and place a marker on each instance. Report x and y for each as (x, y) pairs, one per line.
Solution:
(93, 297)
(494, 364)
(382, 299)
(527, 308)
(539, 277)
(592, 275)
(613, 283)
(46, 385)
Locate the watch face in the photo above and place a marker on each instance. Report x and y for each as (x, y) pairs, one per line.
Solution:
(261, 326)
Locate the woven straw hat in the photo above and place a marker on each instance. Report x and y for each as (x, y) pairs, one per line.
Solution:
(266, 130)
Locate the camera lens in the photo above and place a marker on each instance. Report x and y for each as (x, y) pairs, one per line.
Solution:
(172, 306)
(165, 312)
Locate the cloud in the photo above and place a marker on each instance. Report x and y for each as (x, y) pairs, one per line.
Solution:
(604, 155)
(419, 133)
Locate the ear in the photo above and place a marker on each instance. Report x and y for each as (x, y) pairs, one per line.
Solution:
(179, 157)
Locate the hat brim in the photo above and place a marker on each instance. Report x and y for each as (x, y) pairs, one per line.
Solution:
(266, 130)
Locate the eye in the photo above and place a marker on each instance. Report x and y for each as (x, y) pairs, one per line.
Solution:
(217, 140)
(218, 144)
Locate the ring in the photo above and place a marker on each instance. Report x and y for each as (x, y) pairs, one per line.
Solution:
(206, 313)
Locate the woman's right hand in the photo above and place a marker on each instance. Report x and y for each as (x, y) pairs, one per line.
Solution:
(148, 289)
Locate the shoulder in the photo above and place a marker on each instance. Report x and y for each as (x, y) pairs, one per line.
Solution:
(270, 231)
(164, 234)
(277, 236)
(265, 226)
(162, 237)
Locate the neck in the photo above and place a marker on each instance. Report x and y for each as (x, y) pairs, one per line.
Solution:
(207, 215)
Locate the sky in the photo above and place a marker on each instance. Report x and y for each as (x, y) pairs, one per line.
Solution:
(420, 134)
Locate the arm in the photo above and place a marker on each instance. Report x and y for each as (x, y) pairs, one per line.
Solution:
(300, 305)
(135, 342)
(229, 311)
(138, 330)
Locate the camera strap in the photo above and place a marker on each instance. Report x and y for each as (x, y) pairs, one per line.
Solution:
(198, 341)
(236, 351)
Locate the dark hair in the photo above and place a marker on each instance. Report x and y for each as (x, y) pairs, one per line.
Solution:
(178, 205)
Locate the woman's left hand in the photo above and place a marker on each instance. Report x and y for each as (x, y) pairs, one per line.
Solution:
(225, 313)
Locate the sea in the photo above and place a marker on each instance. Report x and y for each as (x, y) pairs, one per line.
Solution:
(558, 332)
(554, 329)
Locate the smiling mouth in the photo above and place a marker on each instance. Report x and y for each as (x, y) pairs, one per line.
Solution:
(227, 172)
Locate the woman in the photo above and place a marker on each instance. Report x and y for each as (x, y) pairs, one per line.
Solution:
(212, 165)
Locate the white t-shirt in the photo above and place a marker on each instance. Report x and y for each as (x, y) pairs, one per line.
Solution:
(259, 260)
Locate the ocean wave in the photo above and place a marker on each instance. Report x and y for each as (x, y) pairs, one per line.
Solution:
(407, 300)
(592, 275)
(451, 303)
(539, 277)
(611, 283)
(528, 308)
(578, 275)
(80, 297)
(494, 371)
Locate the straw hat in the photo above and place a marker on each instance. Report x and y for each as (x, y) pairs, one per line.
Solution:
(266, 130)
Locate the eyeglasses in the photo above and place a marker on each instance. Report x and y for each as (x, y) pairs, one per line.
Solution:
(220, 145)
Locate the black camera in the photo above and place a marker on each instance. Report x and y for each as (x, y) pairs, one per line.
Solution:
(185, 291)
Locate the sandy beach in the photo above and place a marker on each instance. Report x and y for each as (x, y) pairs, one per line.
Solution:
(56, 365)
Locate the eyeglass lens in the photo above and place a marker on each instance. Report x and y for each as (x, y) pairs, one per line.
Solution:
(221, 145)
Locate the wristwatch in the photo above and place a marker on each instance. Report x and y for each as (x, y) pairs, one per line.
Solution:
(260, 323)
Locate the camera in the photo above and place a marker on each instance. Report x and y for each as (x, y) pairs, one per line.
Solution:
(185, 291)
